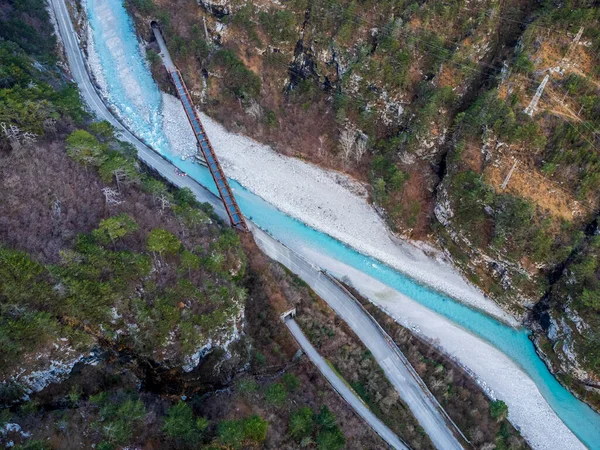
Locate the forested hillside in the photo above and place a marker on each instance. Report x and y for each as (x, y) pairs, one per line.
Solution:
(425, 102)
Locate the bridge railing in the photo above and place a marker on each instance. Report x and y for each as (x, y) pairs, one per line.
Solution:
(233, 211)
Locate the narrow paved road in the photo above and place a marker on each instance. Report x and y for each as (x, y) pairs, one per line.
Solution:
(410, 390)
(342, 388)
(164, 51)
(97, 106)
(420, 403)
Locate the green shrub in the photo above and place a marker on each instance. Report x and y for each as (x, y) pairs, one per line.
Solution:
(291, 382)
(21, 333)
(591, 351)
(103, 130)
(469, 194)
(114, 228)
(30, 95)
(244, 19)
(255, 428)
(75, 394)
(27, 23)
(186, 197)
(498, 410)
(10, 392)
(301, 423)
(179, 46)
(259, 358)
(385, 175)
(513, 218)
(238, 79)
(397, 180)
(276, 395)
(144, 6)
(105, 445)
(325, 418)
(153, 57)
(161, 241)
(279, 24)
(231, 433)
(380, 191)
(181, 424)
(523, 64)
(435, 58)
(247, 386)
(332, 439)
(119, 417)
(199, 46)
(329, 436)
(85, 148)
(278, 59)
(33, 445)
(394, 63)
(591, 298)
(271, 119)
(24, 281)
(29, 408)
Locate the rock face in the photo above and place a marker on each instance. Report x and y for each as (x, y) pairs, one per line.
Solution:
(570, 318)
(562, 333)
(39, 370)
(218, 8)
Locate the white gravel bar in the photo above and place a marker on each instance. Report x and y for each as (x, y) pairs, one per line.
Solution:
(495, 372)
(325, 200)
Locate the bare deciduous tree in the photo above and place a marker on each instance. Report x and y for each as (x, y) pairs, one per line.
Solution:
(12, 133)
(16, 137)
(254, 109)
(437, 384)
(120, 174)
(360, 148)
(6, 130)
(164, 201)
(321, 150)
(29, 138)
(49, 125)
(111, 196)
(56, 208)
(347, 141)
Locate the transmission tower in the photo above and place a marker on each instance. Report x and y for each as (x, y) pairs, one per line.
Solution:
(536, 98)
(510, 172)
(565, 61)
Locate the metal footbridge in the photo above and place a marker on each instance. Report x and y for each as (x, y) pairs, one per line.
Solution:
(233, 211)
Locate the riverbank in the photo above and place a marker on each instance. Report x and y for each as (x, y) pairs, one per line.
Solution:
(497, 374)
(325, 200)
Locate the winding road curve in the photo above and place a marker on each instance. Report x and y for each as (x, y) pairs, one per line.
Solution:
(342, 388)
(411, 390)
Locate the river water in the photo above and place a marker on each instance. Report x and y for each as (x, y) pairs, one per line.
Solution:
(133, 93)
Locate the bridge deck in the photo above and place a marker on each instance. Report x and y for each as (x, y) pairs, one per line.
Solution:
(231, 206)
(212, 162)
